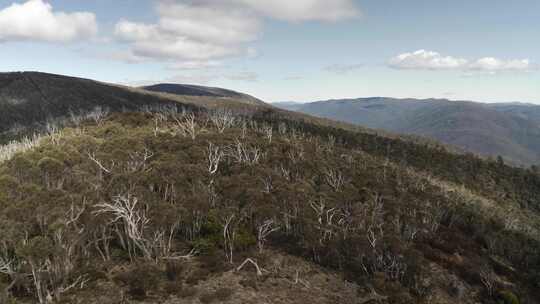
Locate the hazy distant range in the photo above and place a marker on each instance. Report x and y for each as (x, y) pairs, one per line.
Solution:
(511, 130)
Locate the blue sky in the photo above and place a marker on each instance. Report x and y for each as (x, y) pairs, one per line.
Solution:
(282, 50)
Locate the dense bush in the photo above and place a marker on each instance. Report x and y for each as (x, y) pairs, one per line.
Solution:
(134, 192)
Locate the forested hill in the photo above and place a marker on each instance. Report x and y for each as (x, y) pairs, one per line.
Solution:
(510, 130)
(195, 90)
(162, 205)
(31, 100)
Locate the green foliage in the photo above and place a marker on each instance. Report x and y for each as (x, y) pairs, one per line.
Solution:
(37, 249)
(185, 207)
(507, 297)
(245, 240)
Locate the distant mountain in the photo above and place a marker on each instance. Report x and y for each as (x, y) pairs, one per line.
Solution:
(511, 130)
(288, 105)
(194, 90)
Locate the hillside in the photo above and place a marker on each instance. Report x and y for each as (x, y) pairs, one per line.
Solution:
(194, 90)
(165, 207)
(509, 130)
(30, 100)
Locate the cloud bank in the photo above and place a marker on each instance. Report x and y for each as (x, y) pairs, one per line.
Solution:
(430, 60)
(197, 32)
(35, 20)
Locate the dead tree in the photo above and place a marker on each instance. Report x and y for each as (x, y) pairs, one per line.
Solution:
(263, 231)
(268, 132)
(267, 184)
(158, 118)
(229, 237)
(187, 126)
(243, 154)
(222, 119)
(214, 154)
(252, 262)
(326, 219)
(134, 222)
(489, 279)
(92, 157)
(97, 115)
(334, 179)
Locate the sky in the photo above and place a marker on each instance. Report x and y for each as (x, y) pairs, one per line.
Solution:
(283, 50)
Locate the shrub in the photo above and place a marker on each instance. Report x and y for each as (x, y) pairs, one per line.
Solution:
(221, 295)
(173, 269)
(141, 279)
(187, 292)
(507, 297)
(224, 294)
(197, 275)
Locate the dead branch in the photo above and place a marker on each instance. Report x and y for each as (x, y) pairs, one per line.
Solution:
(250, 261)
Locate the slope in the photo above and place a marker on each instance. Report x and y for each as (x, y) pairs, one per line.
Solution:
(28, 100)
(166, 207)
(512, 131)
(194, 90)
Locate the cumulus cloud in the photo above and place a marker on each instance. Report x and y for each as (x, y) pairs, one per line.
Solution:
(35, 20)
(426, 60)
(494, 64)
(429, 60)
(191, 33)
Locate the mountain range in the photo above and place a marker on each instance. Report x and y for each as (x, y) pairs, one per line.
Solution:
(510, 130)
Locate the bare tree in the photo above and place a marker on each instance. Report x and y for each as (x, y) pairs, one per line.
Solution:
(98, 115)
(222, 119)
(187, 126)
(268, 132)
(229, 236)
(244, 154)
(334, 178)
(138, 160)
(214, 154)
(489, 279)
(267, 184)
(327, 219)
(263, 231)
(92, 157)
(296, 154)
(9, 150)
(158, 119)
(134, 222)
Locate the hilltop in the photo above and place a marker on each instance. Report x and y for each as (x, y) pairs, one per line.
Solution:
(195, 90)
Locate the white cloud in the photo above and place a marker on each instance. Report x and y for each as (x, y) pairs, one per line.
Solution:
(35, 20)
(305, 10)
(429, 60)
(494, 64)
(192, 32)
(426, 60)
